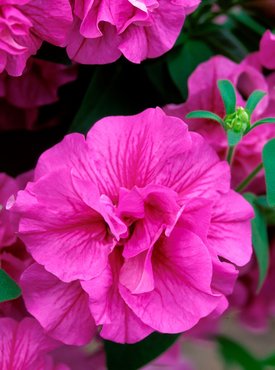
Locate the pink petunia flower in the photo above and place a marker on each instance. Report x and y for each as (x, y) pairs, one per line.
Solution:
(25, 24)
(204, 95)
(139, 219)
(138, 29)
(24, 346)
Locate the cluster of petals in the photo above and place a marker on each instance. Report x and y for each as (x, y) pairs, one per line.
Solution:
(255, 309)
(25, 24)
(21, 97)
(204, 95)
(138, 29)
(133, 230)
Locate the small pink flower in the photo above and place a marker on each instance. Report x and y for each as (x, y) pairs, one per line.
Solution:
(204, 95)
(148, 226)
(23, 345)
(138, 29)
(25, 24)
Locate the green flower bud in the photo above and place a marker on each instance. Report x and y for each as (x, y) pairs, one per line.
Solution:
(238, 121)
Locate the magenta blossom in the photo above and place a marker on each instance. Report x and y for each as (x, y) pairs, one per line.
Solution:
(24, 346)
(146, 224)
(204, 95)
(24, 24)
(138, 29)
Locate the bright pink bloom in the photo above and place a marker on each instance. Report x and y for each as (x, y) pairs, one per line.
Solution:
(204, 94)
(25, 24)
(146, 222)
(61, 308)
(255, 309)
(24, 346)
(138, 29)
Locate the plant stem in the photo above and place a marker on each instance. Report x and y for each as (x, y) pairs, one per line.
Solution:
(230, 154)
(249, 178)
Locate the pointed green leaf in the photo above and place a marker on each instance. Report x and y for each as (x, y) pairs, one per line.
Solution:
(182, 62)
(269, 166)
(269, 212)
(135, 356)
(8, 288)
(261, 122)
(259, 238)
(233, 137)
(228, 95)
(205, 114)
(253, 100)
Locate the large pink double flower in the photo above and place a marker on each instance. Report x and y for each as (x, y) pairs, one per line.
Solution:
(139, 29)
(136, 227)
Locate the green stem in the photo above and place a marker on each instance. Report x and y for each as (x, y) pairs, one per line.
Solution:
(249, 178)
(230, 154)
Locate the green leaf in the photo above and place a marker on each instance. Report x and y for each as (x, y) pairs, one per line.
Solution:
(261, 122)
(228, 95)
(205, 114)
(269, 166)
(183, 61)
(253, 100)
(245, 20)
(233, 137)
(234, 354)
(269, 212)
(259, 238)
(8, 288)
(135, 356)
(223, 41)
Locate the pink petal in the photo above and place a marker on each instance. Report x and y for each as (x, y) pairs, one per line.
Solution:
(182, 271)
(230, 230)
(196, 173)
(267, 50)
(61, 308)
(146, 142)
(120, 324)
(60, 230)
(23, 344)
